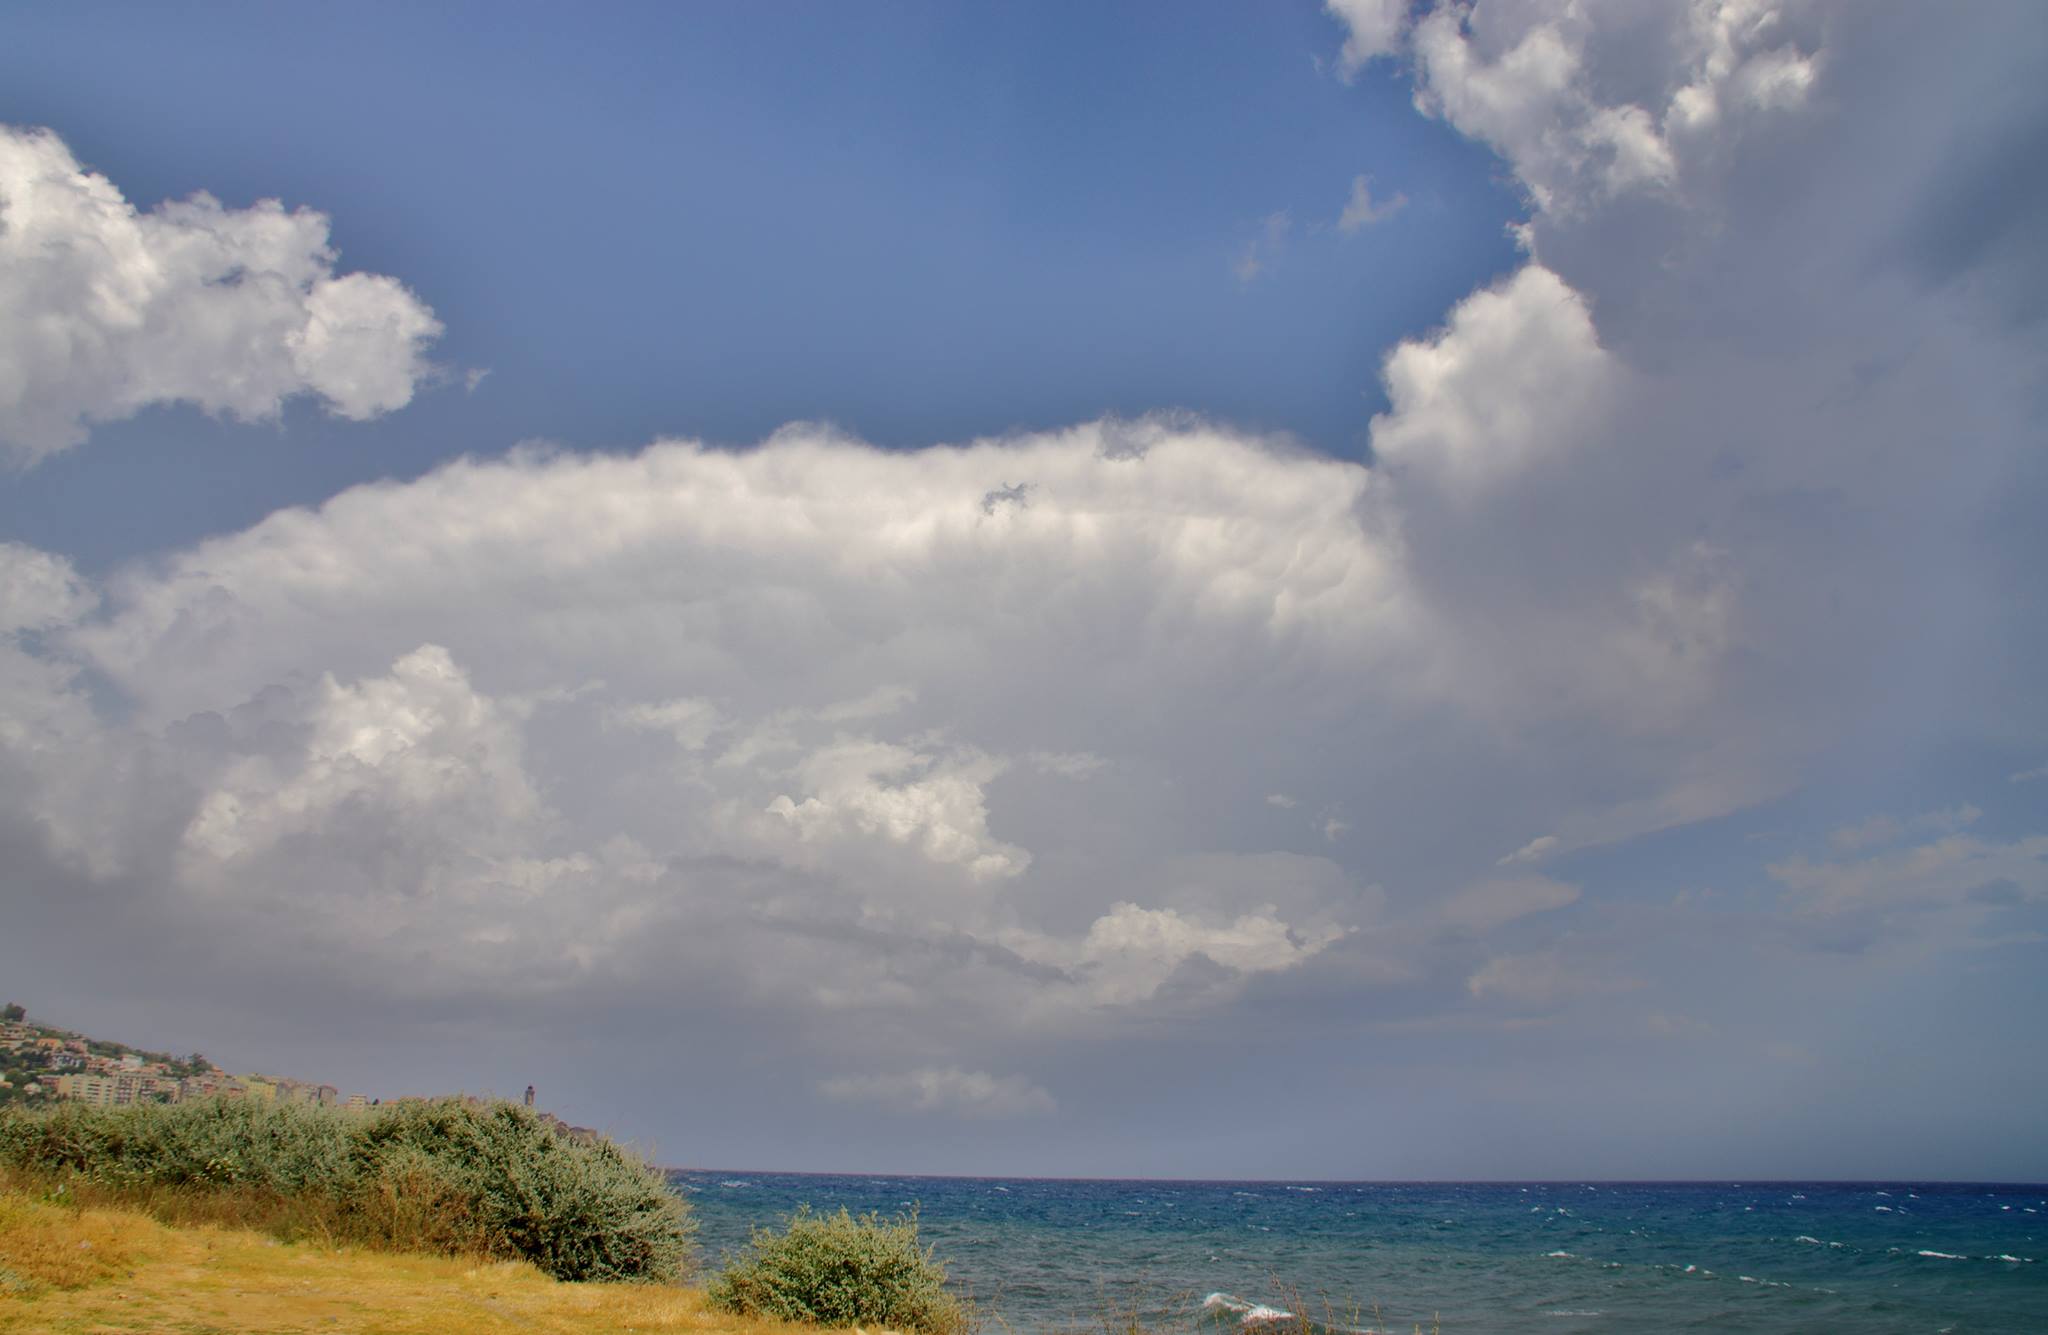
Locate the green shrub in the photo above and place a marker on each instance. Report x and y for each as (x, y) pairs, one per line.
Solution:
(490, 1179)
(836, 1270)
(287, 1149)
(577, 1210)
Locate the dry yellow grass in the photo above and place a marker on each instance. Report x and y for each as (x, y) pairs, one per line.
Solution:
(64, 1269)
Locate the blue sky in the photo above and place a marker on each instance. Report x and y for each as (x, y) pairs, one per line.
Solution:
(942, 589)
(725, 222)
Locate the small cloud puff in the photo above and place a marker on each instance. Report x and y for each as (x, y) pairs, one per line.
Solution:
(1362, 210)
(1018, 495)
(1264, 248)
(1534, 851)
(1372, 28)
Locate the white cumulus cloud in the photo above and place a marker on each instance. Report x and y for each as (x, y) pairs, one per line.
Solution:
(1131, 952)
(1514, 380)
(106, 309)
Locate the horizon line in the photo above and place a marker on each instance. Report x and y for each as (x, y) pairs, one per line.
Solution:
(1393, 1181)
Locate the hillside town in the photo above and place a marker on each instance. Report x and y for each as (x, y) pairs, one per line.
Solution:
(41, 1063)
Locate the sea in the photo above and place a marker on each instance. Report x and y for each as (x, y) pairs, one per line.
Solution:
(1042, 1255)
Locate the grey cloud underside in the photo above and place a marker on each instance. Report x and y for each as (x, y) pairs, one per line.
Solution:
(955, 769)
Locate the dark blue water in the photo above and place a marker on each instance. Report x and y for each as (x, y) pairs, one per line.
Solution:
(1486, 1259)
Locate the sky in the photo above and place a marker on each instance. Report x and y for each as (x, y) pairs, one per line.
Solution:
(1421, 590)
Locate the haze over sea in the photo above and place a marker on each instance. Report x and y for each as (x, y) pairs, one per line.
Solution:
(1569, 1258)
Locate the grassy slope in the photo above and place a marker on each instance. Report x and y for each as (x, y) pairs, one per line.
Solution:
(64, 1269)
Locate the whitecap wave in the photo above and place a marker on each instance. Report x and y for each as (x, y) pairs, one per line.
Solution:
(1248, 1313)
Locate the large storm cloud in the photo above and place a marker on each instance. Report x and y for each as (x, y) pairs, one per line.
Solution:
(945, 776)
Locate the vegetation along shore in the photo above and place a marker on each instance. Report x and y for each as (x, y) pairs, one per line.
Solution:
(486, 1215)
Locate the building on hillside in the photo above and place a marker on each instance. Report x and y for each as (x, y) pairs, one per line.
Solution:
(142, 1087)
(95, 1091)
(117, 1090)
(301, 1092)
(212, 1084)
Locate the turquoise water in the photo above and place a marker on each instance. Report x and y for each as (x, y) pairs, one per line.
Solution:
(1562, 1258)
